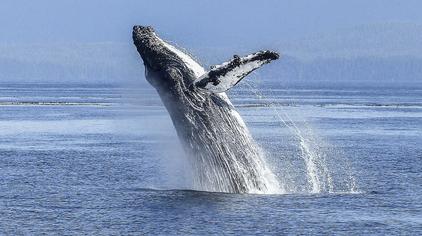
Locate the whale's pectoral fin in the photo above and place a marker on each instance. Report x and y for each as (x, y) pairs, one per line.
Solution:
(222, 77)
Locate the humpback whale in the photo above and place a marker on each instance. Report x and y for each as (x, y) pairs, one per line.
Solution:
(223, 154)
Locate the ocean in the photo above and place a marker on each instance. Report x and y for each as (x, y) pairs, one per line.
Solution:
(102, 159)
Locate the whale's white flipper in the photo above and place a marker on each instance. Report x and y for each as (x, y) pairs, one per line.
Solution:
(222, 77)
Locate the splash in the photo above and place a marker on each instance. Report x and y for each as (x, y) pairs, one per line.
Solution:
(229, 160)
(324, 169)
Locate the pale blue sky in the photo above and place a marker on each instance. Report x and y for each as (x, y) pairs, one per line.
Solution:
(204, 21)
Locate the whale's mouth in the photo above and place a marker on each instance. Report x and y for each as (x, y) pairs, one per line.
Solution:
(148, 45)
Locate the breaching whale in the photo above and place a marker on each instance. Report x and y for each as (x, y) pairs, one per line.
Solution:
(224, 156)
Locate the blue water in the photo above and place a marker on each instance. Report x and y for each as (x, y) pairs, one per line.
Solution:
(79, 159)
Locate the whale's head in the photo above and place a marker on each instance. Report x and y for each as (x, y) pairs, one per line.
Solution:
(164, 65)
(172, 71)
(149, 47)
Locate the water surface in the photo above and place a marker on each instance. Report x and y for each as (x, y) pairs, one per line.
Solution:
(86, 159)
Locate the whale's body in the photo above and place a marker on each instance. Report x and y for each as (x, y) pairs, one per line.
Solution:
(224, 156)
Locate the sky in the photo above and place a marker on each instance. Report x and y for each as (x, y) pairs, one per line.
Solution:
(207, 21)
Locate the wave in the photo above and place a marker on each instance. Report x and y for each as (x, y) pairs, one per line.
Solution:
(54, 104)
(381, 105)
(202, 192)
(332, 105)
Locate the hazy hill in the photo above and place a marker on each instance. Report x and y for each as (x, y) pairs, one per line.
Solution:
(378, 53)
(382, 40)
(91, 62)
